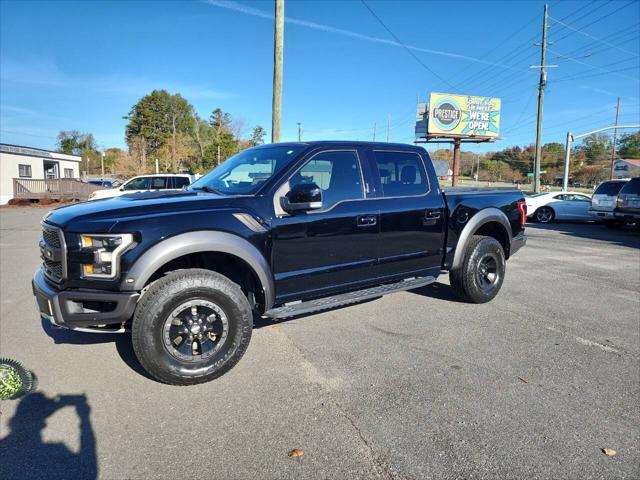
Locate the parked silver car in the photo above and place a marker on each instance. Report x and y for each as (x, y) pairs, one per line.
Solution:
(603, 202)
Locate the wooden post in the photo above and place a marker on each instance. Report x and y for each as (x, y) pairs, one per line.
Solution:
(456, 162)
(278, 47)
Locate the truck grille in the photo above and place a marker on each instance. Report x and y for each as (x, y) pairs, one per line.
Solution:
(53, 253)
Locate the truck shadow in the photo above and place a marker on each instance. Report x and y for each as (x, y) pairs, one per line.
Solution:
(122, 342)
(25, 454)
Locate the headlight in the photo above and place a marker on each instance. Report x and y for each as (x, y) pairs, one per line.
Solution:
(107, 250)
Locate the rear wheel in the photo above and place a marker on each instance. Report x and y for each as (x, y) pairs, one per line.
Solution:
(191, 326)
(481, 275)
(545, 215)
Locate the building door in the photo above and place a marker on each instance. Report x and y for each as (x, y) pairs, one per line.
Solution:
(51, 170)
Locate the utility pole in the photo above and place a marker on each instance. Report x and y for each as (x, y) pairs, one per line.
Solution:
(388, 126)
(278, 48)
(299, 133)
(615, 138)
(374, 131)
(102, 158)
(541, 85)
(218, 156)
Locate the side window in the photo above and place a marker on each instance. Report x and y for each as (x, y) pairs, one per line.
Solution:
(68, 173)
(24, 171)
(158, 183)
(402, 174)
(336, 173)
(179, 182)
(560, 197)
(141, 183)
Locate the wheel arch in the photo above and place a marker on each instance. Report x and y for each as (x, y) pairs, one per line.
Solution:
(491, 222)
(205, 243)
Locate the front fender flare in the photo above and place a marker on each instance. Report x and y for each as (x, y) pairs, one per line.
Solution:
(481, 218)
(194, 242)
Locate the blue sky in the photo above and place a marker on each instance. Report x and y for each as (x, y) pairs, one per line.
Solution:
(82, 65)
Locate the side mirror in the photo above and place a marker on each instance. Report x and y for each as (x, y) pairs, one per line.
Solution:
(303, 196)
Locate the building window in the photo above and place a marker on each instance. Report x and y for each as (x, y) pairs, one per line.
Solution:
(68, 173)
(24, 171)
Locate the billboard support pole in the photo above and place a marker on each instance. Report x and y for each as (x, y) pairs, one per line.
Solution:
(456, 162)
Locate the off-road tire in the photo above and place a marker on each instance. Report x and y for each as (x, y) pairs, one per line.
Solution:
(466, 280)
(156, 305)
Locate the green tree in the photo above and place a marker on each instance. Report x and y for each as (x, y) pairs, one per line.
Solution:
(629, 146)
(257, 136)
(158, 118)
(74, 142)
(596, 148)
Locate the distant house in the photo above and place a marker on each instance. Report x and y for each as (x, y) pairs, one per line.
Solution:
(626, 168)
(33, 163)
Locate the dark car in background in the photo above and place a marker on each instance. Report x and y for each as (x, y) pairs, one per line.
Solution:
(102, 183)
(628, 203)
(603, 202)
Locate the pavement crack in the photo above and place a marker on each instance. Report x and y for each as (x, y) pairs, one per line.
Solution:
(380, 466)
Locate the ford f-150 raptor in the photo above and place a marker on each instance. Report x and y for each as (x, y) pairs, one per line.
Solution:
(276, 231)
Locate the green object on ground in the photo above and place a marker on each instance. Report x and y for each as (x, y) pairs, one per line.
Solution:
(15, 379)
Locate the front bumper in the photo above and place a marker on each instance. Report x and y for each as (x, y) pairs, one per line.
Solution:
(77, 309)
(517, 243)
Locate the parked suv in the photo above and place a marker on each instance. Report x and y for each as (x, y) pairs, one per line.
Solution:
(628, 204)
(603, 202)
(145, 183)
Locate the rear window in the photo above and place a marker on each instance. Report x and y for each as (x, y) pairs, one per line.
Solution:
(632, 187)
(610, 189)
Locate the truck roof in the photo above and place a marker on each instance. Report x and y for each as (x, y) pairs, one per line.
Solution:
(347, 142)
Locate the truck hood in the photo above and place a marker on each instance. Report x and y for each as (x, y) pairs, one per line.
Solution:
(101, 215)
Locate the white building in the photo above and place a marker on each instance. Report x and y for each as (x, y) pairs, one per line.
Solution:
(33, 163)
(626, 168)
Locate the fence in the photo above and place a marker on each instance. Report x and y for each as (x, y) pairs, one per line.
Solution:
(56, 188)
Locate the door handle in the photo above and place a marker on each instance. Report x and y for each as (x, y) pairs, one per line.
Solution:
(432, 214)
(366, 220)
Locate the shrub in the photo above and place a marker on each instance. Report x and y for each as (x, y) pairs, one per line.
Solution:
(45, 201)
(19, 202)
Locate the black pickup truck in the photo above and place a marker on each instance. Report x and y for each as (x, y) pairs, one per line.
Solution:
(275, 231)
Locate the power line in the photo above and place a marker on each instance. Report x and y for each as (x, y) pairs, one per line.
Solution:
(580, 77)
(599, 19)
(594, 67)
(408, 50)
(594, 38)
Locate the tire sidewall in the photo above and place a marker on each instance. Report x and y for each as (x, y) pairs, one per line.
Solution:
(486, 246)
(552, 214)
(149, 332)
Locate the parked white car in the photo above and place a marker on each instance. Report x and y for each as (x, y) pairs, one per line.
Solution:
(547, 207)
(145, 183)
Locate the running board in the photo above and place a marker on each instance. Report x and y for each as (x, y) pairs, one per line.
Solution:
(300, 308)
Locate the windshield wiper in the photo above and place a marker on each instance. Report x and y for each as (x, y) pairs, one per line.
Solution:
(207, 189)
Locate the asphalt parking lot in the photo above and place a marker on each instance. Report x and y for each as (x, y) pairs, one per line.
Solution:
(412, 385)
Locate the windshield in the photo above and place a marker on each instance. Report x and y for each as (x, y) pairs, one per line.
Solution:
(631, 187)
(247, 171)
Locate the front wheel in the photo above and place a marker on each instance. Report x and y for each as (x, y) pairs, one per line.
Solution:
(191, 326)
(480, 277)
(545, 215)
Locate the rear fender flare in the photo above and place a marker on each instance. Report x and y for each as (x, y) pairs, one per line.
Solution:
(194, 242)
(481, 218)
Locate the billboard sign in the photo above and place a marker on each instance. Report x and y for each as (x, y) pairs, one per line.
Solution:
(463, 115)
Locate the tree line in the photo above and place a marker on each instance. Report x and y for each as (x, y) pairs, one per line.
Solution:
(590, 161)
(165, 127)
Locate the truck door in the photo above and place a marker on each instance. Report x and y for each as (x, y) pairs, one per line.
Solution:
(317, 251)
(412, 214)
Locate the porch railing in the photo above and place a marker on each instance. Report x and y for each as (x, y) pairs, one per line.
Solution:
(56, 188)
